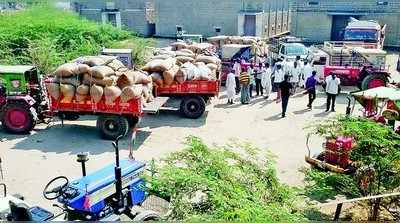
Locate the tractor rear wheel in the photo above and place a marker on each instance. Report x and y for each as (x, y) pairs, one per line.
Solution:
(112, 126)
(18, 118)
(373, 81)
(193, 107)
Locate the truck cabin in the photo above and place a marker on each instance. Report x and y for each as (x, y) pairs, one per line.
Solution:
(365, 31)
(292, 50)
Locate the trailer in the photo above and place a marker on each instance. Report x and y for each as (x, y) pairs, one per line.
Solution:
(192, 96)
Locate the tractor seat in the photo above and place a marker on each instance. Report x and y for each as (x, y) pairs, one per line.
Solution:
(19, 212)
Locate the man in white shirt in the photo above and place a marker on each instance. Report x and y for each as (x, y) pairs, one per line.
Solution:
(295, 74)
(266, 80)
(279, 76)
(307, 72)
(237, 67)
(332, 90)
(230, 86)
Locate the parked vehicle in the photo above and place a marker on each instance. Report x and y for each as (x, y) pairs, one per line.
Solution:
(362, 67)
(287, 48)
(370, 33)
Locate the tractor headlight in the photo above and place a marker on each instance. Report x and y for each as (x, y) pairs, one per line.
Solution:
(16, 83)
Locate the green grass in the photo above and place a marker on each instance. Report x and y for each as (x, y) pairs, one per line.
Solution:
(48, 37)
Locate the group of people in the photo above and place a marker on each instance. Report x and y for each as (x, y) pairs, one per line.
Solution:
(284, 78)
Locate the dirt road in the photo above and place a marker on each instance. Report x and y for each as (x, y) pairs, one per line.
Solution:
(29, 162)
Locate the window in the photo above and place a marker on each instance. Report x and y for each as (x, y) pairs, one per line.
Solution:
(112, 18)
(382, 3)
(313, 3)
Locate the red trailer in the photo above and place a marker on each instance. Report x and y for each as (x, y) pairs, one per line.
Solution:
(193, 95)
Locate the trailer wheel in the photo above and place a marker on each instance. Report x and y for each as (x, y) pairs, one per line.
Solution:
(147, 215)
(373, 81)
(112, 126)
(18, 118)
(193, 107)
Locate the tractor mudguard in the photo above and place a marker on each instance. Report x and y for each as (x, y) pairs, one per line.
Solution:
(25, 98)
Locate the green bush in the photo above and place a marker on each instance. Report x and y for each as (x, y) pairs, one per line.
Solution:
(240, 186)
(47, 37)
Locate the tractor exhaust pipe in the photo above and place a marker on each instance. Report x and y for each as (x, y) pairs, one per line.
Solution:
(118, 176)
(83, 158)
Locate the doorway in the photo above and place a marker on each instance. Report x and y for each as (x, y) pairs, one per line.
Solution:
(339, 23)
(250, 25)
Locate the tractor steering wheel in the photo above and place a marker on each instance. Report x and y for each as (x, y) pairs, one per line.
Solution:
(57, 191)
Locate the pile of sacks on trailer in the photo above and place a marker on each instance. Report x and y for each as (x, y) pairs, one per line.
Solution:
(183, 62)
(91, 78)
(259, 46)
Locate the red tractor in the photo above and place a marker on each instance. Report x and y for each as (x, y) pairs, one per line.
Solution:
(23, 100)
(353, 64)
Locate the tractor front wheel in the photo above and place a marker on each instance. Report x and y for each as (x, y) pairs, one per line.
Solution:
(112, 126)
(18, 118)
(373, 81)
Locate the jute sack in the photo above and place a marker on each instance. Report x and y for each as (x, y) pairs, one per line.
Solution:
(204, 73)
(66, 70)
(126, 79)
(169, 75)
(150, 66)
(180, 76)
(131, 92)
(68, 93)
(212, 66)
(111, 93)
(190, 71)
(80, 97)
(186, 51)
(185, 54)
(96, 92)
(54, 90)
(208, 59)
(167, 64)
(179, 45)
(68, 80)
(142, 78)
(161, 57)
(101, 72)
(116, 65)
(157, 78)
(107, 59)
(184, 59)
(90, 61)
(83, 89)
(107, 81)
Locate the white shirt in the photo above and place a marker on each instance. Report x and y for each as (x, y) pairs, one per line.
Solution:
(295, 73)
(307, 71)
(238, 69)
(266, 77)
(230, 82)
(279, 76)
(332, 85)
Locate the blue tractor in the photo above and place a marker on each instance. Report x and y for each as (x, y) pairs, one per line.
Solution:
(105, 195)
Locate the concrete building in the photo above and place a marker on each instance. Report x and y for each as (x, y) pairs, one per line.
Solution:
(322, 20)
(135, 15)
(234, 17)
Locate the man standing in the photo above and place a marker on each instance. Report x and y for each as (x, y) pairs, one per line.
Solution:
(332, 90)
(238, 69)
(245, 91)
(307, 71)
(259, 74)
(311, 83)
(278, 79)
(230, 87)
(251, 72)
(295, 73)
(266, 80)
(286, 88)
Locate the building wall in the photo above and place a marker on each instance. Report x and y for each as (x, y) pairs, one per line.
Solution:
(200, 17)
(133, 15)
(314, 21)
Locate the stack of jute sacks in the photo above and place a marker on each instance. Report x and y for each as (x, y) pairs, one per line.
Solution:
(183, 62)
(93, 78)
(259, 47)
